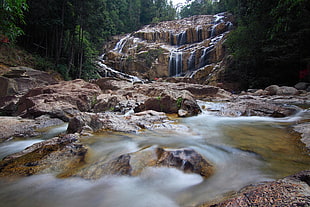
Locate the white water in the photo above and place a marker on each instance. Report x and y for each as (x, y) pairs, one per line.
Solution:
(244, 150)
(175, 63)
(120, 44)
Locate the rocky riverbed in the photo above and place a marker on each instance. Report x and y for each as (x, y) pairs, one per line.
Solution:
(112, 105)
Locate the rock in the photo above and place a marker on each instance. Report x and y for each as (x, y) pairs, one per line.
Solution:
(158, 50)
(291, 191)
(286, 91)
(281, 91)
(272, 90)
(304, 130)
(54, 155)
(254, 106)
(19, 80)
(12, 127)
(134, 163)
(150, 120)
(302, 86)
(61, 100)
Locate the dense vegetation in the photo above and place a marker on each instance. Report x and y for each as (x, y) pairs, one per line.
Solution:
(271, 43)
(69, 33)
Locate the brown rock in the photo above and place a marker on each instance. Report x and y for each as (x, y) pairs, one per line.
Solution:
(291, 191)
(61, 100)
(54, 155)
(134, 163)
(19, 80)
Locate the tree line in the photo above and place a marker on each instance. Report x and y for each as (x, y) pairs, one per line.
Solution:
(70, 33)
(271, 42)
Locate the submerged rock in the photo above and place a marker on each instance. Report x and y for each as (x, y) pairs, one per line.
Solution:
(291, 191)
(51, 156)
(186, 160)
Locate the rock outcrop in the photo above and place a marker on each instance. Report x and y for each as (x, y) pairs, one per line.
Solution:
(171, 48)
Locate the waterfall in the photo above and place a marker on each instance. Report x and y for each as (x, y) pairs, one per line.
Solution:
(106, 71)
(191, 63)
(120, 44)
(199, 33)
(182, 38)
(213, 31)
(204, 59)
(175, 63)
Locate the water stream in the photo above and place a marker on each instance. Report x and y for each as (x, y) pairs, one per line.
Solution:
(245, 150)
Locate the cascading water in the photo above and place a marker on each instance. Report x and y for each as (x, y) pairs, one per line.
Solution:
(191, 63)
(182, 38)
(244, 150)
(175, 63)
(120, 44)
(204, 59)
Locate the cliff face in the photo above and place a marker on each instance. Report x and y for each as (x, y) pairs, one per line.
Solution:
(191, 47)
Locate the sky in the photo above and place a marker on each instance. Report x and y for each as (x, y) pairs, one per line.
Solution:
(175, 2)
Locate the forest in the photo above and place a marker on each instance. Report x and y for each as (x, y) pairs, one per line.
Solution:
(270, 44)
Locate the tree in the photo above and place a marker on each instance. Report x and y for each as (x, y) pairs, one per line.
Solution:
(11, 15)
(270, 45)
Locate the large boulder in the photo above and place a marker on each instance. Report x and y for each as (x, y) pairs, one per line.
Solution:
(133, 164)
(55, 155)
(291, 191)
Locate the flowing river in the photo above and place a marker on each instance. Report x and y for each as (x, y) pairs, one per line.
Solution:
(244, 150)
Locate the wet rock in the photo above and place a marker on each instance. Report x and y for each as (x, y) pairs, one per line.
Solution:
(12, 127)
(291, 191)
(51, 156)
(304, 130)
(152, 51)
(133, 164)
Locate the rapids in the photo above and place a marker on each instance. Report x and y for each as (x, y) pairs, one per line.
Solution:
(244, 150)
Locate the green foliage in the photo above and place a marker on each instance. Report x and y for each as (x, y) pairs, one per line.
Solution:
(271, 43)
(198, 7)
(11, 15)
(71, 32)
(179, 102)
